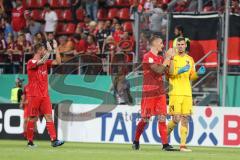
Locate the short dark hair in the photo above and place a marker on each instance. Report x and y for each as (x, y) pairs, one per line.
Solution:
(180, 28)
(181, 39)
(37, 47)
(153, 38)
(47, 5)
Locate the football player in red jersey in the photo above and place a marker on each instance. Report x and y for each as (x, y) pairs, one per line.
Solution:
(38, 97)
(154, 97)
(23, 105)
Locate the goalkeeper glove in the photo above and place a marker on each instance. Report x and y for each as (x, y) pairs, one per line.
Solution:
(184, 69)
(201, 70)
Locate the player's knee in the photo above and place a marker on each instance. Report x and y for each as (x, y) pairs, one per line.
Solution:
(184, 120)
(177, 119)
(162, 118)
(32, 118)
(48, 118)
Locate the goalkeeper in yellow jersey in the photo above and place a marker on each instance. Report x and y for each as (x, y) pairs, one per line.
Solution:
(181, 73)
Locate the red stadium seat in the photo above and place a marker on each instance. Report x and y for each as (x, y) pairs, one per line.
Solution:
(33, 4)
(124, 14)
(123, 3)
(65, 3)
(112, 13)
(54, 3)
(59, 13)
(70, 28)
(60, 28)
(80, 14)
(102, 14)
(127, 26)
(81, 24)
(67, 15)
(25, 4)
(42, 3)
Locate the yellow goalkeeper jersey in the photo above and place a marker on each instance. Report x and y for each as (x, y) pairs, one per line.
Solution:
(180, 84)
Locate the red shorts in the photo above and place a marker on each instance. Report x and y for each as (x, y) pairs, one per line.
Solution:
(152, 106)
(39, 106)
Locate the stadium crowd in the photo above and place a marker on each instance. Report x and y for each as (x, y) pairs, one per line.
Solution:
(89, 27)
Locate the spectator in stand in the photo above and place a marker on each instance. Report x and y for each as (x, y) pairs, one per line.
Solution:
(127, 42)
(101, 35)
(14, 58)
(51, 42)
(92, 47)
(92, 28)
(34, 27)
(3, 45)
(115, 21)
(18, 18)
(80, 44)
(179, 32)
(118, 32)
(75, 4)
(2, 9)
(8, 30)
(235, 8)
(38, 38)
(50, 19)
(92, 9)
(108, 27)
(66, 50)
(156, 16)
(23, 45)
(79, 28)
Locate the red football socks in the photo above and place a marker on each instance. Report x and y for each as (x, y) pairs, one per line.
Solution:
(51, 130)
(140, 129)
(162, 128)
(30, 130)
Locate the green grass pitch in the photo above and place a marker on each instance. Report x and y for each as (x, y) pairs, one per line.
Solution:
(17, 150)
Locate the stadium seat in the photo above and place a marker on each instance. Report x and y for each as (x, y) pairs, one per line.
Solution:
(70, 28)
(59, 13)
(25, 4)
(124, 14)
(127, 26)
(112, 13)
(42, 3)
(60, 28)
(102, 14)
(65, 3)
(54, 3)
(81, 24)
(67, 15)
(123, 3)
(33, 4)
(80, 14)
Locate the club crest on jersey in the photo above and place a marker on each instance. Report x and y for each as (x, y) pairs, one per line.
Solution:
(150, 60)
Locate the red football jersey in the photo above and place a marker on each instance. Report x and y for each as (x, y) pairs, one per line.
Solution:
(152, 82)
(18, 19)
(25, 90)
(38, 78)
